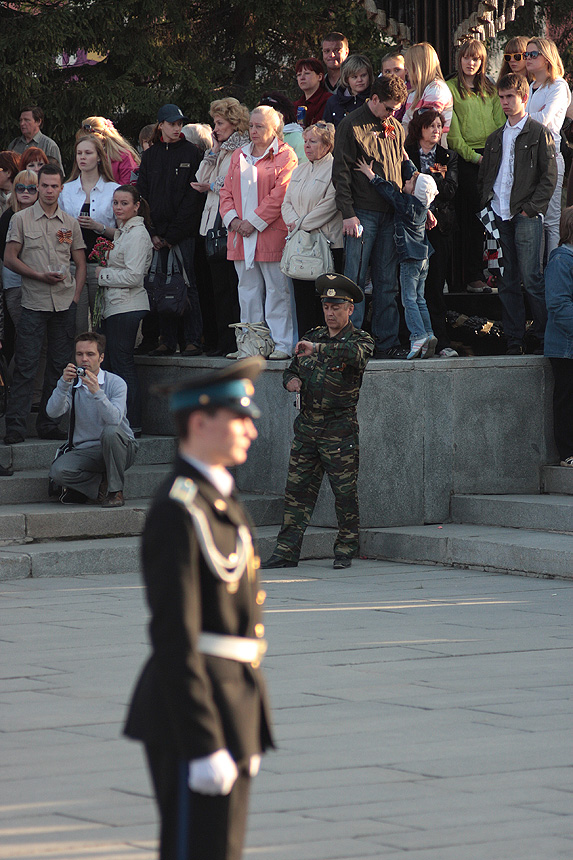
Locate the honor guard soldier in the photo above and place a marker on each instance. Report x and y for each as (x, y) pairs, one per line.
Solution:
(326, 375)
(200, 705)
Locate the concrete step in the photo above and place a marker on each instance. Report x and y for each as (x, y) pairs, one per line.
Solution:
(557, 479)
(50, 521)
(121, 554)
(36, 454)
(32, 484)
(520, 551)
(542, 512)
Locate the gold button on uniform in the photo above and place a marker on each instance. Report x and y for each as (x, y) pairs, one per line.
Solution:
(220, 504)
(259, 630)
(261, 597)
(255, 664)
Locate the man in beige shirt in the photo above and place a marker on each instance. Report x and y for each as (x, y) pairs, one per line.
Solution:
(40, 242)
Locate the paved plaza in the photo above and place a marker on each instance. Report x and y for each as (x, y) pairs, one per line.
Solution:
(421, 713)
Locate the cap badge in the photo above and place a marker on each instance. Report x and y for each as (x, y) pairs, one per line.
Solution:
(331, 292)
(204, 399)
(331, 277)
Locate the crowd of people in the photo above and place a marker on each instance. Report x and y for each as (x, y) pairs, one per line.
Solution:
(401, 172)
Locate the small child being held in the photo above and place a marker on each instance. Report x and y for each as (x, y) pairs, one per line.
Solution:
(411, 208)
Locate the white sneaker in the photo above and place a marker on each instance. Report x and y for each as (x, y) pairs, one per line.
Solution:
(429, 350)
(448, 352)
(277, 355)
(232, 354)
(418, 345)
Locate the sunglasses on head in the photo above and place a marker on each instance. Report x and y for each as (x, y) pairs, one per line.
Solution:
(31, 189)
(509, 57)
(87, 127)
(531, 55)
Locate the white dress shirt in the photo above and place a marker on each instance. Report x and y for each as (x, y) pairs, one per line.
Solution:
(504, 180)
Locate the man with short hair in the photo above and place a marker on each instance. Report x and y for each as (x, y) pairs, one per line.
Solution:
(39, 244)
(371, 132)
(200, 706)
(102, 442)
(334, 52)
(326, 374)
(31, 119)
(517, 177)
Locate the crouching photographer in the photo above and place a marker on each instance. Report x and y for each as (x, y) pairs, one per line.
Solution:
(101, 445)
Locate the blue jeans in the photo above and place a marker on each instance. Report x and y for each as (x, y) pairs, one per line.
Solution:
(120, 331)
(192, 319)
(33, 326)
(520, 240)
(376, 246)
(413, 275)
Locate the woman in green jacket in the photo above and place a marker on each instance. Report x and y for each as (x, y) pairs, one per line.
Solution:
(477, 112)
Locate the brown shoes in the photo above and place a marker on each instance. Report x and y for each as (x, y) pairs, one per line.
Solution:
(113, 500)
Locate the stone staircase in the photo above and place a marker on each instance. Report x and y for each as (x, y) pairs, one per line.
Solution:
(531, 535)
(41, 537)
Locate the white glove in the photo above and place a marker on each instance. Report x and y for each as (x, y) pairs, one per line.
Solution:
(213, 774)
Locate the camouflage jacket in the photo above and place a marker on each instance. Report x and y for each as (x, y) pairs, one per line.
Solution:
(331, 377)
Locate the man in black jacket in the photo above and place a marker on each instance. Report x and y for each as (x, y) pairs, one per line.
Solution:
(200, 705)
(167, 169)
(517, 177)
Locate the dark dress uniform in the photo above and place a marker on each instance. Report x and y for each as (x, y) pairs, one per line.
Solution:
(326, 430)
(202, 586)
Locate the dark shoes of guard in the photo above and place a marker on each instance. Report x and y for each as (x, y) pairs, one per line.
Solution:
(275, 562)
(341, 562)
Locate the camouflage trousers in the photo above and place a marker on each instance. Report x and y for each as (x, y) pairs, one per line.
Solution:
(319, 447)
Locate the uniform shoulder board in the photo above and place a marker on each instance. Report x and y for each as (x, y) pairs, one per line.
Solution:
(184, 491)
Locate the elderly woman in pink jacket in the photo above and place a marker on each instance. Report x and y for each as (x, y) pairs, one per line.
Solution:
(250, 205)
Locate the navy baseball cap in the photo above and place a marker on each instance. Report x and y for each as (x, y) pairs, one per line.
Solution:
(171, 113)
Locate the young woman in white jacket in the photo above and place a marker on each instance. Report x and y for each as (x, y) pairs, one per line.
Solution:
(310, 205)
(125, 300)
(549, 98)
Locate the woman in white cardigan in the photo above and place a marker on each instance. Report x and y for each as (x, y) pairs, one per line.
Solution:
(125, 300)
(310, 205)
(231, 123)
(549, 98)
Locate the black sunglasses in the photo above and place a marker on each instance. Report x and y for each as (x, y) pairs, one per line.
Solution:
(87, 127)
(31, 189)
(509, 57)
(531, 55)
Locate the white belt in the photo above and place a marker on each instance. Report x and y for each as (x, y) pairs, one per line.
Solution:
(232, 647)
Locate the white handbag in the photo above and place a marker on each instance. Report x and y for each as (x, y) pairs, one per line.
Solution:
(306, 255)
(253, 339)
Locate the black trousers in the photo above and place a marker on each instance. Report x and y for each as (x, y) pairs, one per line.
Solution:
(309, 313)
(434, 286)
(225, 302)
(563, 405)
(471, 236)
(196, 826)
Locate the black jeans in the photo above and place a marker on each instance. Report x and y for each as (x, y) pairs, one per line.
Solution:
(60, 328)
(192, 320)
(120, 331)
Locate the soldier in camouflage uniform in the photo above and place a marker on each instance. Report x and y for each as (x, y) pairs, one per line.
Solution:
(326, 373)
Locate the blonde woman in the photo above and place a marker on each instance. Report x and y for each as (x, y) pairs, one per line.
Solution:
(123, 157)
(476, 114)
(513, 59)
(429, 89)
(310, 205)
(549, 98)
(356, 79)
(230, 132)
(88, 196)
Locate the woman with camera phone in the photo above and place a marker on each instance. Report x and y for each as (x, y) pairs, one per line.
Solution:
(124, 298)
